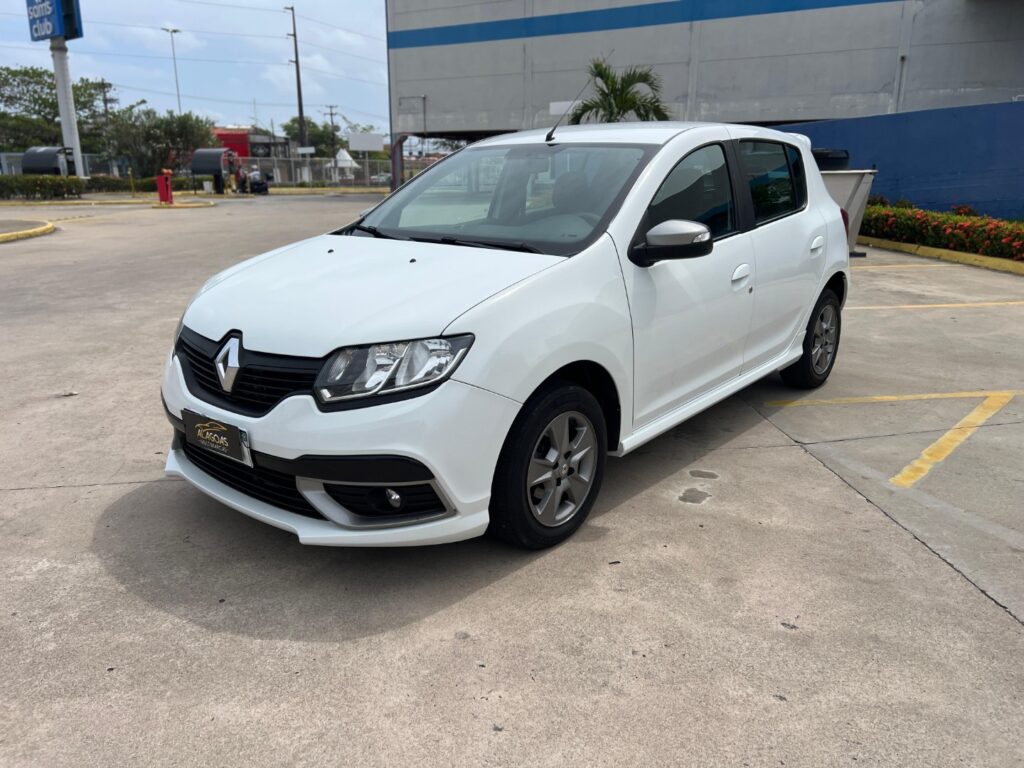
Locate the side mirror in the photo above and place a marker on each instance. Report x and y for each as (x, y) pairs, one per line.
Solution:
(672, 239)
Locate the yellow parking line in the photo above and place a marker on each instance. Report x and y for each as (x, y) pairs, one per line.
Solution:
(945, 445)
(943, 306)
(896, 398)
(901, 266)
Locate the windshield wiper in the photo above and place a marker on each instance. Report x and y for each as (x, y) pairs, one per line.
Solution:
(370, 229)
(497, 244)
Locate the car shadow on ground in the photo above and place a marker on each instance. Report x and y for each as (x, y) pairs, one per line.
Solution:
(200, 561)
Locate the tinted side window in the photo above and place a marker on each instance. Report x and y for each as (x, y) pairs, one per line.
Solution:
(697, 189)
(796, 167)
(766, 168)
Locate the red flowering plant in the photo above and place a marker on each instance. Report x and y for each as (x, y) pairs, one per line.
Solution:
(956, 232)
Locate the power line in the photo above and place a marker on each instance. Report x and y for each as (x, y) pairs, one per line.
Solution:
(322, 23)
(232, 5)
(246, 102)
(262, 9)
(328, 73)
(342, 29)
(219, 33)
(199, 60)
(123, 25)
(343, 53)
(85, 52)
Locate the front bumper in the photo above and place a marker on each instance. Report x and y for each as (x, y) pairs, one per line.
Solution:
(455, 432)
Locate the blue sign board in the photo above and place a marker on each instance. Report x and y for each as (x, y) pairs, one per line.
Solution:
(54, 18)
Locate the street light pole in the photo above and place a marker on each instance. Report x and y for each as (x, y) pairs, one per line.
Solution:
(294, 35)
(172, 31)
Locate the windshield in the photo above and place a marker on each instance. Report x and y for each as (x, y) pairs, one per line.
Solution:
(549, 199)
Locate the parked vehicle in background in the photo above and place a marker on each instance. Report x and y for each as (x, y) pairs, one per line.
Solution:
(384, 179)
(465, 356)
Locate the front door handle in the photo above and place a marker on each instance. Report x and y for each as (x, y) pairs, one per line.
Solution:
(817, 246)
(742, 271)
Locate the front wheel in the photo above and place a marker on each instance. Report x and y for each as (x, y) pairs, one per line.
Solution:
(821, 343)
(550, 469)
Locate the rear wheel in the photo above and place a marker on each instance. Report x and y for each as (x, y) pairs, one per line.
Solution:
(550, 469)
(821, 343)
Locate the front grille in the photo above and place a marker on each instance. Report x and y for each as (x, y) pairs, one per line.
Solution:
(275, 488)
(263, 380)
(371, 501)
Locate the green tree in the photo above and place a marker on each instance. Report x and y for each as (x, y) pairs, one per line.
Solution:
(636, 94)
(29, 115)
(152, 141)
(317, 134)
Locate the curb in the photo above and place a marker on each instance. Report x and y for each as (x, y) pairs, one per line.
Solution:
(197, 204)
(329, 191)
(927, 251)
(43, 229)
(76, 201)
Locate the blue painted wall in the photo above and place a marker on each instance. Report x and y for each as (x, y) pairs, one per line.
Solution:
(604, 19)
(937, 158)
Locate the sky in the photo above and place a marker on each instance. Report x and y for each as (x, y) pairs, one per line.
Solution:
(230, 52)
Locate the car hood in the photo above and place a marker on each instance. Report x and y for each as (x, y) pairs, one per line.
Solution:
(330, 291)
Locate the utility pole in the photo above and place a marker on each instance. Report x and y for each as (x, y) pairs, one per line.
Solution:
(114, 171)
(172, 31)
(334, 138)
(294, 35)
(106, 99)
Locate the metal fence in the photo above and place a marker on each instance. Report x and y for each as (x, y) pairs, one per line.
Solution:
(95, 165)
(284, 171)
(318, 171)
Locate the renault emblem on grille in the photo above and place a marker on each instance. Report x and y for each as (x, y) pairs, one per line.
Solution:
(227, 363)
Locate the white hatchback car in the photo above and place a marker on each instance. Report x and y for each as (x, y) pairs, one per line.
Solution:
(464, 356)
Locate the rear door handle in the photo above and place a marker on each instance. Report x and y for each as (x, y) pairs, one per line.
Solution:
(817, 245)
(742, 271)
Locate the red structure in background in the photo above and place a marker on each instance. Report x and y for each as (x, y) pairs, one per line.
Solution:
(164, 189)
(235, 139)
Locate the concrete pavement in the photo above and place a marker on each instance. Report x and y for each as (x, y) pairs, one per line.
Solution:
(750, 589)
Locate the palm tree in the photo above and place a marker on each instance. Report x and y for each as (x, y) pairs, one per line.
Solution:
(620, 96)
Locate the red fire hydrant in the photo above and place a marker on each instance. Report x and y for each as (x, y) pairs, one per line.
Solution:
(163, 187)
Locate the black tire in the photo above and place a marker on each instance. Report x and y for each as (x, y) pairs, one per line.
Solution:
(513, 519)
(803, 374)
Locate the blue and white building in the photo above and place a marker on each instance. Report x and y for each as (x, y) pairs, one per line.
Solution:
(930, 91)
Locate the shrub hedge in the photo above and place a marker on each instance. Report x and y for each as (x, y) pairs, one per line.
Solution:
(107, 184)
(38, 187)
(967, 234)
(148, 184)
(35, 187)
(178, 183)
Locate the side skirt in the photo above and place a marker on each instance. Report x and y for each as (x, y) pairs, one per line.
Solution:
(700, 403)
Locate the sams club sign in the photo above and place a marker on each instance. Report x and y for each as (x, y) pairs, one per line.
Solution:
(54, 18)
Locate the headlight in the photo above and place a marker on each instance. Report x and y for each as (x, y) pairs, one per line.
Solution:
(380, 369)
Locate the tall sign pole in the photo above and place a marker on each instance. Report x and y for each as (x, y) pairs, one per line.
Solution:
(66, 101)
(59, 21)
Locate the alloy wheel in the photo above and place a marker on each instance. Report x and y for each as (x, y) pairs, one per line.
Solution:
(561, 469)
(823, 345)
